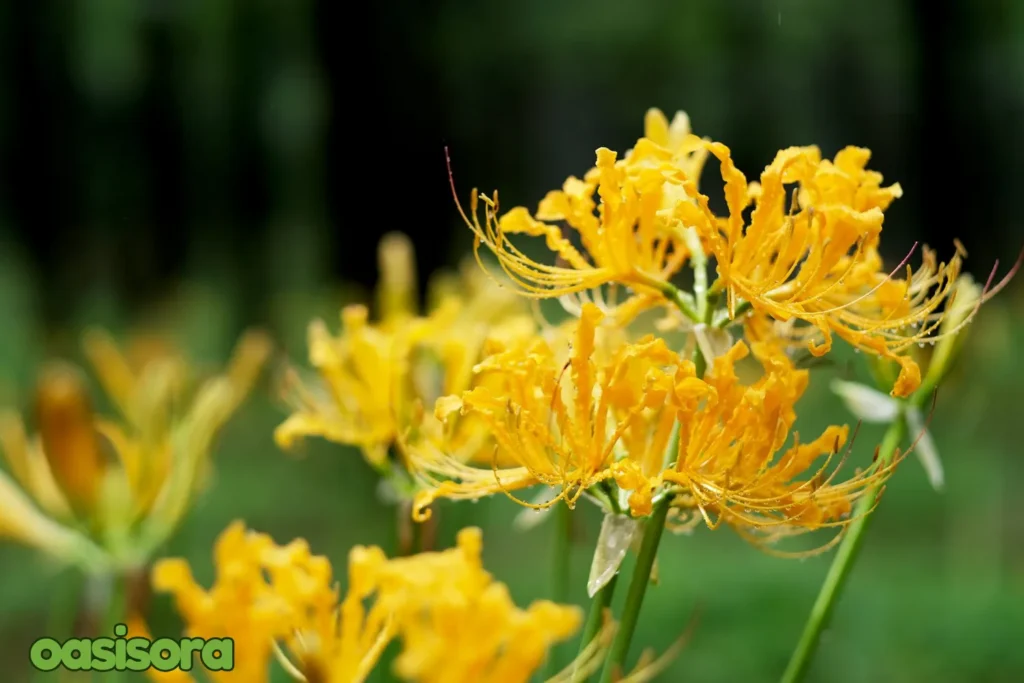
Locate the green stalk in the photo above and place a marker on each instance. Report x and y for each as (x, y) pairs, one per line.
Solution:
(117, 605)
(563, 545)
(700, 364)
(562, 537)
(842, 564)
(404, 527)
(682, 300)
(117, 613)
(595, 618)
(637, 588)
(393, 469)
(699, 264)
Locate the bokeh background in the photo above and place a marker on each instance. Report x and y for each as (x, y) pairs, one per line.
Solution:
(204, 165)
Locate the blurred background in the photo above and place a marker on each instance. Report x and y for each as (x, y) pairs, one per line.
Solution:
(204, 165)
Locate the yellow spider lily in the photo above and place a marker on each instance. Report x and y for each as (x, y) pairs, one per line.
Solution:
(815, 259)
(732, 465)
(809, 268)
(103, 493)
(622, 212)
(576, 425)
(550, 417)
(373, 376)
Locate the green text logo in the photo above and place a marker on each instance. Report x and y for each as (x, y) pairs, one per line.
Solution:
(132, 654)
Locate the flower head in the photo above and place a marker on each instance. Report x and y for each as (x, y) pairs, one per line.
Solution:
(454, 622)
(813, 258)
(559, 421)
(102, 491)
(265, 594)
(641, 417)
(803, 268)
(733, 463)
(622, 213)
(676, 137)
(374, 376)
(458, 624)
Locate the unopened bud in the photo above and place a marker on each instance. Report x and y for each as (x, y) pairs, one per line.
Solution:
(396, 290)
(959, 310)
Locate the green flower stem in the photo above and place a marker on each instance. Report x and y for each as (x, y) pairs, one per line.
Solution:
(637, 588)
(595, 618)
(560, 553)
(700, 365)
(117, 613)
(682, 300)
(699, 264)
(563, 544)
(117, 605)
(408, 541)
(842, 564)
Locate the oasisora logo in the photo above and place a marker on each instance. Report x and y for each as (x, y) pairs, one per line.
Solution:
(132, 654)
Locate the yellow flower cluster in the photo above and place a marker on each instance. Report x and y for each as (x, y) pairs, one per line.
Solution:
(589, 408)
(104, 493)
(455, 623)
(476, 395)
(628, 421)
(641, 416)
(375, 377)
(625, 239)
(800, 269)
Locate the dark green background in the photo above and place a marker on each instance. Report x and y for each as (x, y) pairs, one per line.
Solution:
(210, 164)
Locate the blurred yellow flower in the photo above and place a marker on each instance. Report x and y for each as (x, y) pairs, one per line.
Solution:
(101, 491)
(458, 624)
(676, 137)
(375, 377)
(455, 623)
(264, 594)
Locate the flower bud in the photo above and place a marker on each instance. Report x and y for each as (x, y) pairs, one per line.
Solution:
(957, 314)
(397, 288)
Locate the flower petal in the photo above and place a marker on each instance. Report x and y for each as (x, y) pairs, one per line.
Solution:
(866, 403)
